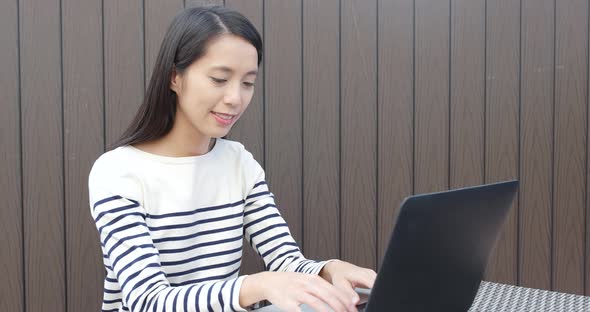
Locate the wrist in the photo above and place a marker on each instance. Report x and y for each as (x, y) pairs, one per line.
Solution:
(252, 289)
(326, 271)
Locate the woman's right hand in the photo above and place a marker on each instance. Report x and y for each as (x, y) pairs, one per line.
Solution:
(288, 291)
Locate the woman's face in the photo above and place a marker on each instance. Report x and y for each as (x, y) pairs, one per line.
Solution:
(215, 90)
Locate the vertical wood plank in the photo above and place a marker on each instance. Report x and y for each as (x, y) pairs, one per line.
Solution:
(42, 150)
(359, 131)
(467, 104)
(587, 227)
(124, 72)
(571, 72)
(502, 125)
(536, 137)
(249, 130)
(431, 161)
(11, 257)
(282, 86)
(197, 3)
(396, 112)
(83, 143)
(158, 16)
(587, 198)
(321, 177)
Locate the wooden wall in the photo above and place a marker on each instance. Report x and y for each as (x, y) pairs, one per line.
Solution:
(359, 104)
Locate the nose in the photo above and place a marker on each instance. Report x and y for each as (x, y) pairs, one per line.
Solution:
(233, 94)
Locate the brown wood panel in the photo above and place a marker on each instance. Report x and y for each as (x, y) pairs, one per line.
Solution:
(396, 113)
(11, 258)
(249, 130)
(536, 136)
(571, 72)
(587, 228)
(123, 62)
(321, 147)
(42, 152)
(197, 3)
(467, 104)
(502, 119)
(544, 142)
(283, 159)
(83, 143)
(158, 16)
(431, 127)
(358, 132)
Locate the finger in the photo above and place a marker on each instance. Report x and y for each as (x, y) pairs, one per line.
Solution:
(371, 276)
(365, 279)
(289, 304)
(328, 293)
(347, 288)
(338, 299)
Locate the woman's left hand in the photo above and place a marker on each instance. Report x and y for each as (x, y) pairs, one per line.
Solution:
(347, 276)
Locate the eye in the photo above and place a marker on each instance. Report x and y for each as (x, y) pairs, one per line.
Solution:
(249, 84)
(218, 80)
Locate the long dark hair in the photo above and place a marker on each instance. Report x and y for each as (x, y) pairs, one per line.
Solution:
(185, 41)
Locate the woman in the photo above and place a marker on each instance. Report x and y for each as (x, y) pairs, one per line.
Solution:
(172, 200)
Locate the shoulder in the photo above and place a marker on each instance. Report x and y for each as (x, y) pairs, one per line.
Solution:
(236, 150)
(116, 171)
(230, 145)
(250, 168)
(110, 162)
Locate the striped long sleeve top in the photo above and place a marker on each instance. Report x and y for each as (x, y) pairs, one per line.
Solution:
(171, 228)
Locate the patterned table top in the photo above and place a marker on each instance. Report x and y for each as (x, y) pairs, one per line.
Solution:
(493, 297)
(501, 297)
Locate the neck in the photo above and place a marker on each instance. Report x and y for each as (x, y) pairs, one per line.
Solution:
(183, 140)
(186, 141)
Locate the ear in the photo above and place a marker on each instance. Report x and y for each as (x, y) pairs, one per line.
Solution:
(175, 81)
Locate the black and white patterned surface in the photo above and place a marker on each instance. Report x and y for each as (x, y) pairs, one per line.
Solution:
(508, 298)
(493, 297)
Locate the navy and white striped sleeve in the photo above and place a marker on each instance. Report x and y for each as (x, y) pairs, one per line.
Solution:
(115, 203)
(268, 233)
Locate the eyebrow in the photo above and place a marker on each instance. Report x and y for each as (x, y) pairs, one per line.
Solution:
(229, 70)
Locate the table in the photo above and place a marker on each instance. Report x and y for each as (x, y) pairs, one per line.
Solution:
(502, 297)
(493, 297)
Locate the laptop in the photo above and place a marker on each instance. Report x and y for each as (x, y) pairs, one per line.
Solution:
(438, 250)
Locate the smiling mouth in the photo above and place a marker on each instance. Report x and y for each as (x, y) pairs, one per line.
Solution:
(224, 116)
